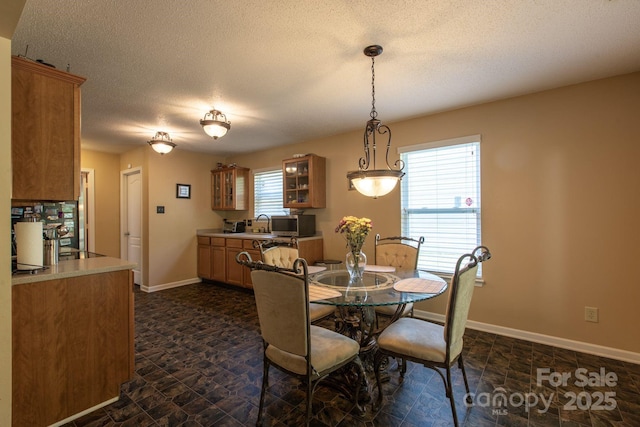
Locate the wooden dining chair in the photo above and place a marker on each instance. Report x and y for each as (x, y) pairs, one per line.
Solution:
(435, 346)
(291, 343)
(401, 253)
(283, 254)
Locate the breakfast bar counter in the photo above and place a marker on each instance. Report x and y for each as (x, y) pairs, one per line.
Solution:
(72, 339)
(73, 268)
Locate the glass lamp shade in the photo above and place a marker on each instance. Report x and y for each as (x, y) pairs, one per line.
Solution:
(215, 124)
(161, 143)
(214, 128)
(375, 183)
(162, 147)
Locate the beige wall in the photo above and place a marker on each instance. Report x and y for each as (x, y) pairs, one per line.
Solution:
(106, 170)
(5, 235)
(559, 180)
(170, 238)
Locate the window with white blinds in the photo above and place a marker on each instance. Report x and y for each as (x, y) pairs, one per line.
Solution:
(440, 200)
(267, 192)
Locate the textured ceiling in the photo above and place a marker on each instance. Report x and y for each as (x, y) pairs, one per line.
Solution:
(285, 71)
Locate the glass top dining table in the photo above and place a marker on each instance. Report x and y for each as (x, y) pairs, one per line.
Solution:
(376, 288)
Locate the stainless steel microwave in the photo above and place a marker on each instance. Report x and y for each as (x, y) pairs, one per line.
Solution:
(293, 225)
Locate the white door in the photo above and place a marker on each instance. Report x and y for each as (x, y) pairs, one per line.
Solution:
(131, 224)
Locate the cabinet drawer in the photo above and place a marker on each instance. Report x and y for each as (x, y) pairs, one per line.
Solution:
(217, 241)
(248, 244)
(202, 240)
(234, 243)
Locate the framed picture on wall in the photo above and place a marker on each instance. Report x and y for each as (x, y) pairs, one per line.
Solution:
(183, 191)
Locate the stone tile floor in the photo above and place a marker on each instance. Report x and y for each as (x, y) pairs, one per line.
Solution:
(199, 363)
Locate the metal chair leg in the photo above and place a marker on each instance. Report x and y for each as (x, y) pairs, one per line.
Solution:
(265, 381)
(464, 376)
(449, 390)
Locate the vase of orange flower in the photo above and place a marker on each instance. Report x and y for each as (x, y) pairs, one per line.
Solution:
(355, 231)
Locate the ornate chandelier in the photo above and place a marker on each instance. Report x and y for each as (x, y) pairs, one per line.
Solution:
(215, 124)
(161, 143)
(375, 182)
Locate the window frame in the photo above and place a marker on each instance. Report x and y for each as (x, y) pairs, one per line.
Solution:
(279, 211)
(476, 209)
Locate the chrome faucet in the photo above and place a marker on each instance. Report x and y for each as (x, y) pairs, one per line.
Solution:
(268, 221)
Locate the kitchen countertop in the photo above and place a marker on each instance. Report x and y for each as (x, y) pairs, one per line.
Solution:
(73, 268)
(258, 236)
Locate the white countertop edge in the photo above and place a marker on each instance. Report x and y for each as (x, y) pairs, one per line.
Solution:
(74, 268)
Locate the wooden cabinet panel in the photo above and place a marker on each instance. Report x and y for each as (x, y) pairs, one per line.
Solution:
(234, 270)
(304, 182)
(218, 263)
(230, 189)
(246, 271)
(311, 250)
(72, 345)
(45, 132)
(204, 261)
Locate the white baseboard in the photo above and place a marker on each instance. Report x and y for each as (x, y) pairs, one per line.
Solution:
(85, 412)
(164, 286)
(598, 350)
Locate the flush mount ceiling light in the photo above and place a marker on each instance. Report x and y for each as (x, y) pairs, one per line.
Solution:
(215, 124)
(161, 143)
(375, 182)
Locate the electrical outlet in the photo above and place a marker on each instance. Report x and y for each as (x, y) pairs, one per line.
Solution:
(249, 223)
(591, 314)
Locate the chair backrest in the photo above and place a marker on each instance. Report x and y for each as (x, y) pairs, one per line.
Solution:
(399, 252)
(280, 254)
(460, 295)
(282, 300)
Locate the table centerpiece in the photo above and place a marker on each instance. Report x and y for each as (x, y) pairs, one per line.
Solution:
(355, 231)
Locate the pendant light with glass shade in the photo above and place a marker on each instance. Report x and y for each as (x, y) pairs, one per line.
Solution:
(215, 124)
(375, 182)
(161, 143)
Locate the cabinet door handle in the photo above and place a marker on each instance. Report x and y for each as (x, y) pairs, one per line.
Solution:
(127, 234)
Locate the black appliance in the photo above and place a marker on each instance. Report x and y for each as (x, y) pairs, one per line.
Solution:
(233, 226)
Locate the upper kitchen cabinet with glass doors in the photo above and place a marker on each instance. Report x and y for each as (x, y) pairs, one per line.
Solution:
(304, 182)
(230, 189)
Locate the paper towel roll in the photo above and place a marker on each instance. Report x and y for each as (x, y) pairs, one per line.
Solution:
(28, 245)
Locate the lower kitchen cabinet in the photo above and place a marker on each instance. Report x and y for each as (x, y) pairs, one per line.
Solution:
(217, 258)
(211, 258)
(234, 270)
(73, 345)
(218, 262)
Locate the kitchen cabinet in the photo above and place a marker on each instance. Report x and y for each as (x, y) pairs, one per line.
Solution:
(234, 270)
(72, 343)
(217, 256)
(304, 182)
(204, 257)
(230, 189)
(211, 258)
(247, 245)
(45, 132)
